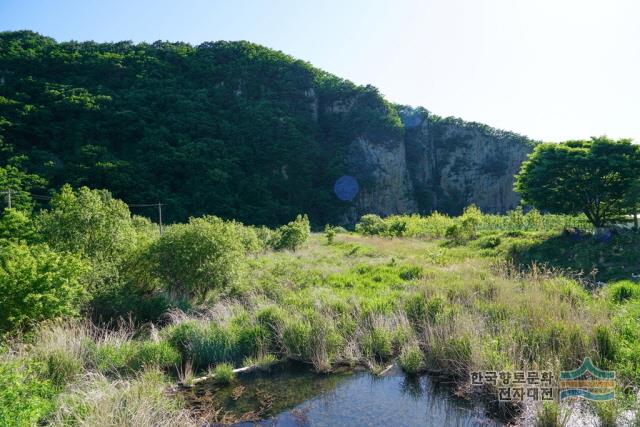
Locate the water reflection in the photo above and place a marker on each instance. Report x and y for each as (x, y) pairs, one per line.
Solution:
(299, 398)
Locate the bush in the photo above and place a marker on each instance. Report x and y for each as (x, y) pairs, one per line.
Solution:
(292, 235)
(89, 222)
(329, 233)
(194, 258)
(38, 284)
(489, 242)
(25, 399)
(411, 360)
(467, 226)
(371, 224)
(223, 373)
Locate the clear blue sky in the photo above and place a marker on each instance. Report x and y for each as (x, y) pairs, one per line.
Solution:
(549, 69)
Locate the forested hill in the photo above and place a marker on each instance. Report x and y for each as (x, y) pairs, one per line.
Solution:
(236, 130)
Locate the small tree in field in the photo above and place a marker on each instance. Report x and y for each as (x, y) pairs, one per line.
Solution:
(292, 235)
(592, 177)
(205, 254)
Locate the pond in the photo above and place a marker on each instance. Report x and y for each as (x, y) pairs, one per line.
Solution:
(291, 395)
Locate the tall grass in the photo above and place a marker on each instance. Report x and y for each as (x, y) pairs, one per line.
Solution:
(140, 401)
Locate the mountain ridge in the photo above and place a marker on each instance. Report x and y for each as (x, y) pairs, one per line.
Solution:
(239, 130)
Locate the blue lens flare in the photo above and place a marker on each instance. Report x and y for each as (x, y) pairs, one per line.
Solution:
(346, 188)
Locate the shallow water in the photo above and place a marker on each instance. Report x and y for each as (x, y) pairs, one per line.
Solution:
(293, 396)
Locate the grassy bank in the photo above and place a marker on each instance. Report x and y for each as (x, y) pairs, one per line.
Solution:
(442, 295)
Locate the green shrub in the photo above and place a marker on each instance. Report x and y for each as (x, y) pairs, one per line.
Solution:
(411, 360)
(25, 398)
(205, 254)
(292, 235)
(89, 222)
(223, 373)
(371, 224)
(329, 233)
(37, 284)
(489, 242)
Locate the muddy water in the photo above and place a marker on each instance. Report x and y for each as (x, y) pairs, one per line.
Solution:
(293, 396)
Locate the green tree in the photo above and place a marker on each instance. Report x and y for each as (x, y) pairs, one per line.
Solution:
(13, 179)
(88, 222)
(204, 254)
(15, 225)
(632, 201)
(591, 177)
(292, 235)
(37, 284)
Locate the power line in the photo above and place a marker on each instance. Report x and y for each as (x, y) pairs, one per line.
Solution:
(130, 205)
(8, 193)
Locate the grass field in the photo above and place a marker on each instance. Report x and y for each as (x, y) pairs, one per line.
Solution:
(498, 298)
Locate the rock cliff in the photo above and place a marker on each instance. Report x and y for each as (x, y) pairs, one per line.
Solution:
(438, 164)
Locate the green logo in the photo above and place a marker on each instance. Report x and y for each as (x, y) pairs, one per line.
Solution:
(588, 382)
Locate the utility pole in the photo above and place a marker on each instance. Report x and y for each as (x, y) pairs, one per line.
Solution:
(8, 193)
(160, 217)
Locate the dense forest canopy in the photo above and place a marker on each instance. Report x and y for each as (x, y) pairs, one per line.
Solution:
(226, 128)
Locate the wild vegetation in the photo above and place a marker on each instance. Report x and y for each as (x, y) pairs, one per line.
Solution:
(101, 313)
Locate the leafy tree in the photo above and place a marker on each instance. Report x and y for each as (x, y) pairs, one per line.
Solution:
(15, 225)
(632, 201)
(202, 255)
(292, 235)
(37, 284)
(19, 183)
(88, 222)
(591, 177)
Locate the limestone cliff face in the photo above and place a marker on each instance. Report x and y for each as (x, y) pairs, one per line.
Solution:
(437, 164)
(383, 175)
(453, 163)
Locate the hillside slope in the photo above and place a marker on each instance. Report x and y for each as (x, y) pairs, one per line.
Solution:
(237, 130)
